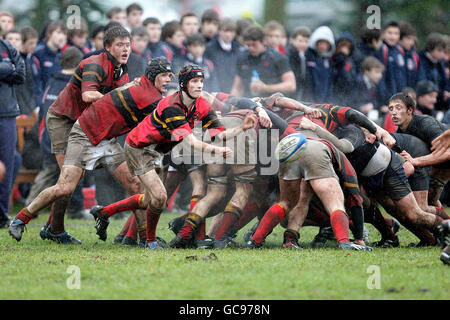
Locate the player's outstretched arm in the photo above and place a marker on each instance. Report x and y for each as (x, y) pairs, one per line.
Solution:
(249, 122)
(206, 147)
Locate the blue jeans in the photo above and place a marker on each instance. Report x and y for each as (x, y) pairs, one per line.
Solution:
(8, 140)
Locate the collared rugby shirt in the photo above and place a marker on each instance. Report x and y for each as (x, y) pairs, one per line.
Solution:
(95, 73)
(119, 111)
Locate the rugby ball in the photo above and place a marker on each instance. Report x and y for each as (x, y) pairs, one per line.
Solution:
(290, 147)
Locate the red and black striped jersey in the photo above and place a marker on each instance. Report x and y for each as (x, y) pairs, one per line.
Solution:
(95, 73)
(171, 121)
(332, 116)
(119, 111)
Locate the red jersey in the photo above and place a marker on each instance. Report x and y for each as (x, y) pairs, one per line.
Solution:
(95, 73)
(119, 111)
(171, 121)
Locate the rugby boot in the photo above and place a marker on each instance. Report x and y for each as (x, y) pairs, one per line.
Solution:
(62, 238)
(158, 244)
(43, 233)
(250, 244)
(16, 228)
(353, 246)
(325, 234)
(118, 239)
(101, 224)
(129, 241)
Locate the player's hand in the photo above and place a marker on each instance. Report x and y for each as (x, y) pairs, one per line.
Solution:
(258, 86)
(249, 122)
(225, 152)
(307, 124)
(388, 140)
(264, 118)
(314, 113)
(441, 143)
(137, 81)
(408, 168)
(407, 157)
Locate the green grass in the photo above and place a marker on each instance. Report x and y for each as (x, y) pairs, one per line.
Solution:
(36, 269)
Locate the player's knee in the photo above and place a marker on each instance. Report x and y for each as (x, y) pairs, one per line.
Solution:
(159, 200)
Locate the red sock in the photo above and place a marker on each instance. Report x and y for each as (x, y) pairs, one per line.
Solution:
(271, 219)
(24, 215)
(194, 201)
(191, 224)
(132, 229)
(230, 216)
(201, 232)
(129, 204)
(127, 224)
(339, 223)
(441, 213)
(153, 215)
(250, 211)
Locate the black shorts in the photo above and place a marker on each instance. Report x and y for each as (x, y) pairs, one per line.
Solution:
(395, 183)
(420, 179)
(392, 181)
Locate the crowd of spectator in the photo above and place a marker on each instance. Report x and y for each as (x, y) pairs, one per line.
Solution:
(239, 57)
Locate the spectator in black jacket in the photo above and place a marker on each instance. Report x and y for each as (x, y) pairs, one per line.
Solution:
(366, 91)
(223, 50)
(296, 54)
(12, 72)
(26, 96)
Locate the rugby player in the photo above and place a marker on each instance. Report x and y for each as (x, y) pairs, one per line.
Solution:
(171, 122)
(92, 142)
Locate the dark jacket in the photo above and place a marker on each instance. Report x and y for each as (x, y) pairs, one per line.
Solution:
(48, 64)
(26, 97)
(211, 78)
(364, 91)
(136, 66)
(319, 69)
(56, 84)
(298, 65)
(394, 65)
(435, 72)
(224, 61)
(155, 50)
(12, 72)
(344, 72)
(408, 75)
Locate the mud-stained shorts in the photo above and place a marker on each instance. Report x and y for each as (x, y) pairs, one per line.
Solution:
(58, 129)
(244, 145)
(82, 153)
(315, 162)
(142, 160)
